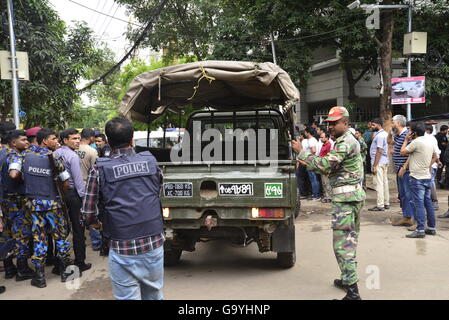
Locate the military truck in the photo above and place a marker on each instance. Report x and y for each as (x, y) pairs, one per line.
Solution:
(233, 175)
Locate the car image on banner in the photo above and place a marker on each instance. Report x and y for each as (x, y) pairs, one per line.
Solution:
(408, 90)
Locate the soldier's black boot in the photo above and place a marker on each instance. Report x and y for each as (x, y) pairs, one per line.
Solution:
(56, 267)
(339, 284)
(352, 293)
(10, 268)
(39, 278)
(66, 272)
(24, 272)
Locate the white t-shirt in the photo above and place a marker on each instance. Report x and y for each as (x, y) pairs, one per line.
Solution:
(318, 147)
(312, 142)
(431, 138)
(305, 144)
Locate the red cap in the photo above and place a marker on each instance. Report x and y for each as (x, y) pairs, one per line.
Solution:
(336, 113)
(32, 132)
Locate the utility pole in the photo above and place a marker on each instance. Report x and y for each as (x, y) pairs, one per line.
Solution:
(15, 80)
(273, 48)
(409, 60)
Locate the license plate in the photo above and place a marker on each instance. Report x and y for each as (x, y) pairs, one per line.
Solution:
(178, 190)
(235, 189)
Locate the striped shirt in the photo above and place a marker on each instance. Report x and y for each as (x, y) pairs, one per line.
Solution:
(399, 160)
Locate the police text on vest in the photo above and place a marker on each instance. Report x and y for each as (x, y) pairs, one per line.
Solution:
(130, 169)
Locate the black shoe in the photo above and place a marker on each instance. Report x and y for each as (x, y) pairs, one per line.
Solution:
(104, 251)
(10, 268)
(339, 284)
(444, 215)
(65, 272)
(352, 293)
(416, 234)
(24, 272)
(430, 232)
(39, 278)
(376, 209)
(2, 289)
(387, 207)
(83, 266)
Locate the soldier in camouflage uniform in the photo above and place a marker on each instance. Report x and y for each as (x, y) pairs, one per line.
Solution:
(363, 152)
(344, 165)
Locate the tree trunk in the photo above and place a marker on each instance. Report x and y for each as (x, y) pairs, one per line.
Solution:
(351, 84)
(385, 51)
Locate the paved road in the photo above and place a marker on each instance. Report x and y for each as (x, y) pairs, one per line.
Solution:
(391, 266)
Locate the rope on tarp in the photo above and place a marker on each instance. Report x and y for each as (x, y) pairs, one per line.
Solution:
(204, 76)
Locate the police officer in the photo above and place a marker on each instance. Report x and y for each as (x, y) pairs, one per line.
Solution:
(17, 219)
(38, 170)
(344, 165)
(128, 186)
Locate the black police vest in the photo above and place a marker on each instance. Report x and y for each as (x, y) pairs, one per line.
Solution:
(38, 177)
(3, 156)
(11, 186)
(129, 188)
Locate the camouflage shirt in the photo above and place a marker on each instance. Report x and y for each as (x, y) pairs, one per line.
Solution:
(363, 148)
(344, 166)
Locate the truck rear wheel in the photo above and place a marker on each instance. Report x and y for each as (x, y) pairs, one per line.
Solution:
(172, 257)
(286, 259)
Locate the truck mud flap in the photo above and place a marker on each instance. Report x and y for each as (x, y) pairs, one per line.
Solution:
(283, 238)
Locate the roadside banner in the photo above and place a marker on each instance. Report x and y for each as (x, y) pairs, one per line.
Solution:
(408, 90)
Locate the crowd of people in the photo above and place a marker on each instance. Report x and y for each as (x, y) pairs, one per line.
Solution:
(418, 157)
(43, 181)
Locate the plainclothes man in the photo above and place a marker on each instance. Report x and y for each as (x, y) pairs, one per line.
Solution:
(128, 185)
(88, 157)
(421, 155)
(344, 165)
(400, 133)
(379, 165)
(311, 147)
(43, 206)
(442, 145)
(71, 139)
(103, 148)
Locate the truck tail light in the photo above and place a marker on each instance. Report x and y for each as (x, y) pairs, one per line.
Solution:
(267, 213)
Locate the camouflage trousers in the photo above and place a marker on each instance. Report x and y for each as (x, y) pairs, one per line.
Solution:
(17, 225)
(54, 223)
(346, 227)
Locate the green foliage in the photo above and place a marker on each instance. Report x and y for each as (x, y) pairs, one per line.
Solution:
(59, 57)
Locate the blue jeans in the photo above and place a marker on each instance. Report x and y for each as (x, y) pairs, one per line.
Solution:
(405, 195)
(137, 277)
(95, 237)
(420, 190)
(315, 184)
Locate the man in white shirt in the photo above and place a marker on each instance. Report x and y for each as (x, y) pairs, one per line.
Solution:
(311, 147)
(421, 155)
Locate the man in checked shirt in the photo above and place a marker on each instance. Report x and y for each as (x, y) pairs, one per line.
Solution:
(127, 185)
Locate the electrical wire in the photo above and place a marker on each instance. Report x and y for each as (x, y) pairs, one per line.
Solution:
(156, 15)
(105, 21)
(96, 21)
(107, 26)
